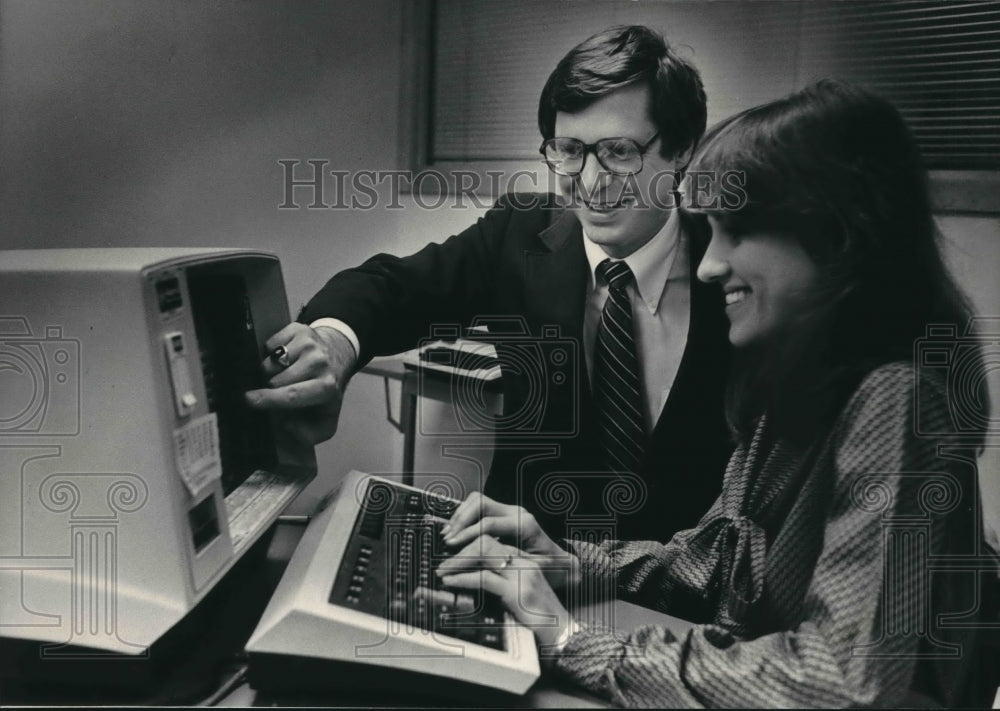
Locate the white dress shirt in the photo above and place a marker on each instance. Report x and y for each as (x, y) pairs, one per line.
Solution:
(661, 314)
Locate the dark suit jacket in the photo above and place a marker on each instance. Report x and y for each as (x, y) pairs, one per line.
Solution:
(522, 270)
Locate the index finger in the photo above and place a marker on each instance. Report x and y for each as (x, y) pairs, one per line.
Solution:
(466, 513)
(476, 507)
(289, 397)
(477, 555)
(495, 526)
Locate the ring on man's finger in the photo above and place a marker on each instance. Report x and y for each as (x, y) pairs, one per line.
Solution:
(280, 356)
(507, 561)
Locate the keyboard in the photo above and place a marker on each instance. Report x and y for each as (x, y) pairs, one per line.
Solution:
(460, 359)
(359, 607)
(388, 568)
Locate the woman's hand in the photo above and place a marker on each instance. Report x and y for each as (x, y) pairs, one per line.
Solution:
(480, 515)
(486, 564)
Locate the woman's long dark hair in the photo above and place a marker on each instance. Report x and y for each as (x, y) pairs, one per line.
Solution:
(835, 168)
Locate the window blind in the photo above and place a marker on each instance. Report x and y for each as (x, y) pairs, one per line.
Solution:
(939, 62)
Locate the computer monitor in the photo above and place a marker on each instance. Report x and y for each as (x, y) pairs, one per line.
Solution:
(132, 475)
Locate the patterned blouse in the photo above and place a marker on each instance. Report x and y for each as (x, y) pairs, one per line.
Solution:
(843, 575)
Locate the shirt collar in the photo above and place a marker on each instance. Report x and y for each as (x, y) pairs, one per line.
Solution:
(651, 263)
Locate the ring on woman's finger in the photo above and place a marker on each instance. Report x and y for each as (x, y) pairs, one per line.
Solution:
(507, 561)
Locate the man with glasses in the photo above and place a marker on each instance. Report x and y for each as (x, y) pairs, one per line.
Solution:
(638, 437)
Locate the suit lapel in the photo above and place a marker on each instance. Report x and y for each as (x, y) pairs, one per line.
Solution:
(556, 277)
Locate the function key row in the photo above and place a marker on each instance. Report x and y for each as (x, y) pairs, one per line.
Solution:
(359, 574)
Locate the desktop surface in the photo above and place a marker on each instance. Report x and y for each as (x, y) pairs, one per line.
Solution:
(213, 670)
(189, 666)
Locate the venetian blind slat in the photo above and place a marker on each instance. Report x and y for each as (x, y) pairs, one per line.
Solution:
(939, 62)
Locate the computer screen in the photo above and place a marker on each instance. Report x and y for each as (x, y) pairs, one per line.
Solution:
(132, 475)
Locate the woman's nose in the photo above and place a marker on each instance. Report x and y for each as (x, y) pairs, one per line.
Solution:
(713, 266)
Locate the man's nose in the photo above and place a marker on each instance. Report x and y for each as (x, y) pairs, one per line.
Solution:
(593, 176)
(713, 266)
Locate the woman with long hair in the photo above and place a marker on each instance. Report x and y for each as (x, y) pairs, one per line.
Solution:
(813, 579)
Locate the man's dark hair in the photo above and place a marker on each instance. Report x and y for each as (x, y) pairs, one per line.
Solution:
(618, 57)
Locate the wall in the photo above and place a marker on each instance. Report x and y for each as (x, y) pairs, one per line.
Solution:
(130, 123)
(161, 124)
(972, 246)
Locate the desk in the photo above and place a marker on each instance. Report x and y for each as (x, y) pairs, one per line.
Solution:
(546, 693)
(438, 382)
(209, 673)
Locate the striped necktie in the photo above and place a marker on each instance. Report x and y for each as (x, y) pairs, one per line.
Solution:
(616, 374)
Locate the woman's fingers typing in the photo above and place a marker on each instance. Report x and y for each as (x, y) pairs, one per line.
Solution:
(480, 515)
(475, 507)
(483, 553)
(488, 565)
(497, 526)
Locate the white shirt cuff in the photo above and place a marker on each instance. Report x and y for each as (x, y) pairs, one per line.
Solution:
(337, 325)
(571, 629)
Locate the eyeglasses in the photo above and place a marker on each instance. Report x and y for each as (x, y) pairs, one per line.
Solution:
(620, 156)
